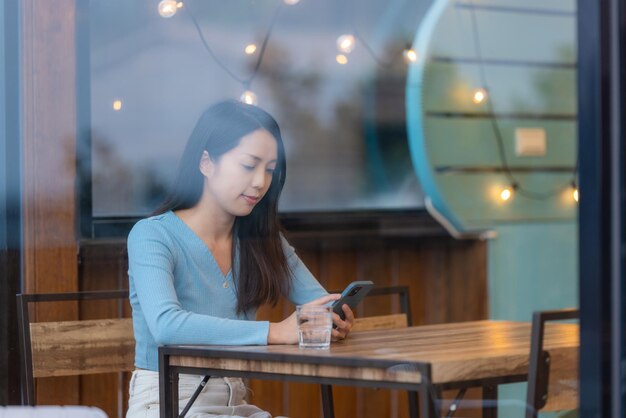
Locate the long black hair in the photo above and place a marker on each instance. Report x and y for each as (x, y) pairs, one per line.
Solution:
(263, 273)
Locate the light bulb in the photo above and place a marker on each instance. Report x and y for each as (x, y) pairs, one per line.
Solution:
(168, 8)
(341, 59)
(345, 43)
(250, 48)
(575, 193)
(117, 105)
(292, 2)
(479, 96)
(506, 194)
(409, 55)
(249, 97)
(179, 5)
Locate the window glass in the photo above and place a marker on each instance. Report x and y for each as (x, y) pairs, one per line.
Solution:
(343, 124)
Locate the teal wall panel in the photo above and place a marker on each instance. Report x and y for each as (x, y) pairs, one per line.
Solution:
(532, 266)
(543, 5)
(514, 36)
(449, 87)
(532, 86)
(456, 141)
(529, 65)
(478, 195)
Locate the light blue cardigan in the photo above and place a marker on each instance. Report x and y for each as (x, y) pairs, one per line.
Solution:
(179, 295)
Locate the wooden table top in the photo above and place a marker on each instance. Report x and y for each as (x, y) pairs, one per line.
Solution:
(455, 351)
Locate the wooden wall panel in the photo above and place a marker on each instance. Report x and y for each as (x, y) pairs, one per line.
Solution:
(269, 394)
(373, 264)
(104, 267)
(447, 280)
(338, 269)
(48, 127)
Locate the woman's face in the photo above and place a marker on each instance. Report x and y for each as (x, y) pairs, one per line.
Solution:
(239, 179)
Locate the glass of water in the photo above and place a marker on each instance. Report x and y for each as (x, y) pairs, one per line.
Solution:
(314, 326)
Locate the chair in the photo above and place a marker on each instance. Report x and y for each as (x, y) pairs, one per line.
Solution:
(546, 392)
(70, 348)
(393, 321)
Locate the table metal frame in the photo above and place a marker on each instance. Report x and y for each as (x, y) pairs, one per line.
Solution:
(427, 393)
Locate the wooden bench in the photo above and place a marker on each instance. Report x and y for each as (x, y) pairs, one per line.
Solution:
(70, 348)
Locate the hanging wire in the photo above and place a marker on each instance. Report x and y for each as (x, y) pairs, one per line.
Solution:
(362, 40)
(369, 50)
(245, 82)
(516, 185)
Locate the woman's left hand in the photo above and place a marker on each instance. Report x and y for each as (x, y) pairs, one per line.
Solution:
(343, 326)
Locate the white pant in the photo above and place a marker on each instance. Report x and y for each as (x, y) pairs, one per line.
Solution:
(221, 397)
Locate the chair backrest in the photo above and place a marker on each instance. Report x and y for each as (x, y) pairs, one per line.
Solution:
(69, 348)
(391, 321)
(549, 390)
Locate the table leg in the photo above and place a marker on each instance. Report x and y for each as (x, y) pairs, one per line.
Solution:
(327, 401)
(427, 403)
(413, 404)
(490, 401)
(165, 387)
(168, 389)
(174, 392)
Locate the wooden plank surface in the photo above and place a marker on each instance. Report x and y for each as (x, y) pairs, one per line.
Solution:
(48, 183)
(82, 347)
(104, 267)
(302, 369)
(380, 322)
(457, 352)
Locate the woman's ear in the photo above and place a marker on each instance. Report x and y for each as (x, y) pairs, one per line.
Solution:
(206, 164)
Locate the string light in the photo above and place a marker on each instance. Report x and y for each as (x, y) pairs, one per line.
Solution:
(409, 55)
(517, 187)
(117, 105)
(249, 97)
(575, 192)
(168, 8)
(506, 194)
(345, 43)
(479, 96)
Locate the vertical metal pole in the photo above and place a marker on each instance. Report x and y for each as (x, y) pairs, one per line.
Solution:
(426, 403)
(617, 39)
(428, 408)
(11, 206)
(490, 401)
(601, 135)
(413, 404)
(533, 392)
(328, 407)
(165, 386)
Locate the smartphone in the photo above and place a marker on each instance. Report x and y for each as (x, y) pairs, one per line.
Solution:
(352, 296)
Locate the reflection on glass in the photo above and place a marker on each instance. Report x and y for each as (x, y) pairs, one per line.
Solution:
(344, 125)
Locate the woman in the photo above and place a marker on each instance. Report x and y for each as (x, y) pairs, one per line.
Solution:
(212, 255)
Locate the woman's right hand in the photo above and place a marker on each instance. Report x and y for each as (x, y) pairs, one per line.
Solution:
(286, 331)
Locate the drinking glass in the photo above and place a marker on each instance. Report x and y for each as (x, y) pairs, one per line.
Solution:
(314, 326)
